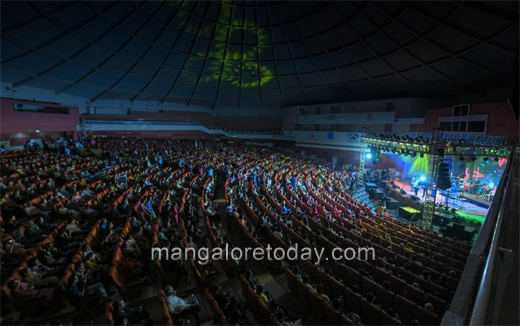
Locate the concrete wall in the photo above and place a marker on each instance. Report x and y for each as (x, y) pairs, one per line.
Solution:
(404, 107)
(501, 119)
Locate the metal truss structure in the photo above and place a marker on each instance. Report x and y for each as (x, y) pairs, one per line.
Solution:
(85, 128)
(436, 145)
(441, 144)
(362, 171)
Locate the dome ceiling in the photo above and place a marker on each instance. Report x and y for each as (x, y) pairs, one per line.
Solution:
(258, 53)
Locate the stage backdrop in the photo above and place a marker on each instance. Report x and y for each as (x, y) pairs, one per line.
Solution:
(480, 170)
(406, 165)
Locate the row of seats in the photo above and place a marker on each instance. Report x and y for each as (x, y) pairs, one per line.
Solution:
(265, 210)
(218, 315)
(261, 312)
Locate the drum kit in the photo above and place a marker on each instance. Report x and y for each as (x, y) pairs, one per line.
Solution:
(475, 187)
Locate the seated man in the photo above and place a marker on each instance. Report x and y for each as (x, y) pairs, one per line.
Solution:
(133, 316)
(177, 304)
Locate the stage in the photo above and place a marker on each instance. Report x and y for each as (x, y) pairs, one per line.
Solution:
(466, 210)
(467, 203)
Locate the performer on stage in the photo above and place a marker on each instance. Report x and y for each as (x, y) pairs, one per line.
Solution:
(413, 181)
(416, 186)
(491, 184)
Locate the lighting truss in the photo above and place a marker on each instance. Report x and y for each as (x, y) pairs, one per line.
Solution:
(436, 145)
(444, 145)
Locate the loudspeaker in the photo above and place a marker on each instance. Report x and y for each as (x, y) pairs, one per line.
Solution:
(444, 181)
(442, 219)
(458, 227)
(402, 192)
(460, 232)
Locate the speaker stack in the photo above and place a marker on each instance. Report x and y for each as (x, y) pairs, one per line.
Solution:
(444, 180)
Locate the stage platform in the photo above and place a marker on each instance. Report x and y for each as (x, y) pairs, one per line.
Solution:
(465, 209)
(477, 200)
(468, 204)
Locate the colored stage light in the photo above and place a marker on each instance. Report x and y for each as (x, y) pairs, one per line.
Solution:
(368, 155)
(422, 178)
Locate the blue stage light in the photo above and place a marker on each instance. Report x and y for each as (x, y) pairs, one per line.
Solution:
(368, 155)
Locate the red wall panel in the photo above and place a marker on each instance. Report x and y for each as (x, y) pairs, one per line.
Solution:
(230, 123)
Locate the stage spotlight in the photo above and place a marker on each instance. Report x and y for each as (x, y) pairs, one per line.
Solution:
(461, 158)
(473, 158)
(368, 155)
(422, 178)
(496, 159)
(485, 159)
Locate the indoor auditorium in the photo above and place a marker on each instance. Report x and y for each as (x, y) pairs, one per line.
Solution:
(243, 162)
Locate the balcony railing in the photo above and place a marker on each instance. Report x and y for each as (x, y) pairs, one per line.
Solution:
(142, 122)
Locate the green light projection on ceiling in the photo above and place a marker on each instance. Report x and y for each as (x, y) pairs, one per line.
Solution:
(241, 67)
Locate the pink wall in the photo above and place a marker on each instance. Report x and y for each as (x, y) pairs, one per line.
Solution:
(230, 123)
(18, 127)
(156, 134)
(501, 120)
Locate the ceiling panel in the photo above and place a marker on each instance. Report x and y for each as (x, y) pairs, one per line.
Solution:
(258, 53)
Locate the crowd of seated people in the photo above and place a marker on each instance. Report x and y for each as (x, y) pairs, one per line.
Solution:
(73, 230)
(301, 197)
